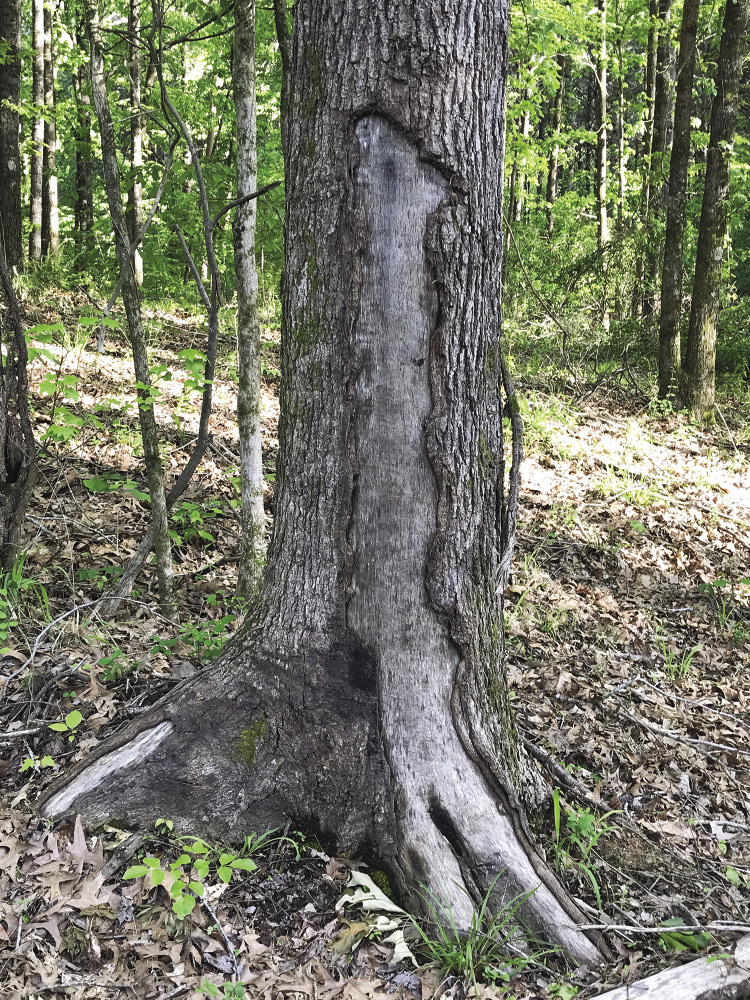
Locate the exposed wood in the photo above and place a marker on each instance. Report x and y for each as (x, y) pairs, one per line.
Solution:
(717, 978)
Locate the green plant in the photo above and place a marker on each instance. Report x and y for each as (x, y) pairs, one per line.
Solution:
(677, 665)
(723, 594)
(229, 991)
(15, 588)
(36, 763)
(206, 638)
(116, 665)
(492, 949)
(564, 991)
(191, 518)
(574, 844)
(70, 724)
(682, 940)
(185, 876)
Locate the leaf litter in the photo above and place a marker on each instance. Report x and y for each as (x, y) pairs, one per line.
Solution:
(628, 631)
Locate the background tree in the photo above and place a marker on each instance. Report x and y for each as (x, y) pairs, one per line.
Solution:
(37, 151)
(393, 390)
(700, 358)
(672, 272)
(10, 156)
(50, 206)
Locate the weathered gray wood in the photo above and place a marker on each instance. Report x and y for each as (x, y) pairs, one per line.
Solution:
(703, 979)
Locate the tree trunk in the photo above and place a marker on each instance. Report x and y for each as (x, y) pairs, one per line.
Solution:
(700, 356)
(649, 87)
(134, 212)
(662, 98)
(50, 208)
(132, 303)
(84, 208)
(554, 159)
(11, 239)
(252, 548)
(366, 696)
(519, 193)
(284, 39)
(17, 447)
(37, 145)
(601, 132)
(621, 147)
(671, 281)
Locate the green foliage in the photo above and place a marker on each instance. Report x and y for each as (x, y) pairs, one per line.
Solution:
(36, 763)
(229, 991)
(488, 951)
(16, 591)
(682, 940)
(69, 725)
(574, 843)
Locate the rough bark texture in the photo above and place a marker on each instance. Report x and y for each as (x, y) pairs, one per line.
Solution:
(252, 548)
(84, 208)
(10, 157)
(700, 356)
(366, 696)
(671, 281)
(17, 447)
(37, 146)
(662, 102)
(131, 301)
(50, 209)
(134, 212)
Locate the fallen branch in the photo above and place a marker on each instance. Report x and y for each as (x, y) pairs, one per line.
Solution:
(564, 778)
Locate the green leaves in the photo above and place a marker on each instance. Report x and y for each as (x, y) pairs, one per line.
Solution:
(72, 722)
(682, 940)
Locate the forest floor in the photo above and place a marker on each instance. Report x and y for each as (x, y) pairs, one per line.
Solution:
(628, 623)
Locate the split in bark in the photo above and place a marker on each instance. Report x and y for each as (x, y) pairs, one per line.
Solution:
(672, 270)
(366, 696)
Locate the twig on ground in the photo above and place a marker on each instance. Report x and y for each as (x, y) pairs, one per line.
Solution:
(227, 943)
(667, 734)
(563, 777)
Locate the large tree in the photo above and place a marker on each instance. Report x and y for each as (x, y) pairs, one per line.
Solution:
(366, 696)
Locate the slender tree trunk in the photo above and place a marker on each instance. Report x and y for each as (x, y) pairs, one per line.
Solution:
(601, 132)
(84, 207)
(10, 156)
(520, 191)
(554, 159)
(662, 102)
(366, 696)
(284, 39)
(649, 87)
(671, 282)
(50, 208)
(17, 447)
(621, 147)
(700, 357)
(134, 212)
(252, 547)
(131, 301)
(602, 229)
(37, 145)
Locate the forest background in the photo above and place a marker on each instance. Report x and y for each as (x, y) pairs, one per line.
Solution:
(598, 321)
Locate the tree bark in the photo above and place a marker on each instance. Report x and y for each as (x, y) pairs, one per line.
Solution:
(134, 212)
(50, 207)
(131, 301)
(700, 356)
(366, 696)
(252, 546)
(554, 159)
(663, 94)
(37, 145)
(84, 207)
(601, 132)
(284, 39)
(672, 270)
(11, 238)
(18, 467)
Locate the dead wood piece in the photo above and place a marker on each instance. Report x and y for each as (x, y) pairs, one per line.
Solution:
(710, 978)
